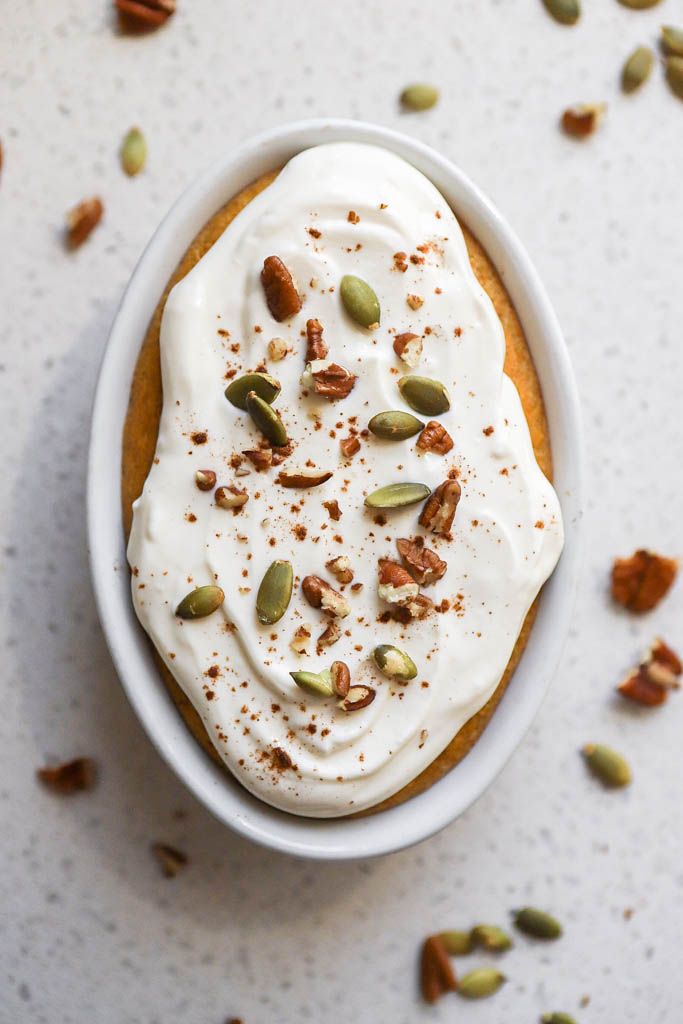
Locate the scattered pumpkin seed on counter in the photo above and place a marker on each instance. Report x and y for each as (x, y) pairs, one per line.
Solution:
(360, 301)
(394, 425)
(480, 983)
(133, 152)
(457, 943)
(393, 663)
(672, 40)
(424, 395)
(537, 923)
(491, 938)
(262, 384)
(567, 12)
(267, 420)
(557, 1018)
(607, 765)
(674, 75)
(200, 602)
(397, 495)
(275, 592)
(319, 684)
(637, 69)
(419, 96)
(638, 5)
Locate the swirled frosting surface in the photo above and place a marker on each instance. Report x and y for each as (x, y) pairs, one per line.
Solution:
(298, 752)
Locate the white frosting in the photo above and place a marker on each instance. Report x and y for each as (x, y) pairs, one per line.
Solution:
(507, 534)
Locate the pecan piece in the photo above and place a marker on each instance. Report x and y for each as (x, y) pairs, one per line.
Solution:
(340, 568)
(333, 509)
(302, 478)
(439, 509)
(170, 860)
(413, 610)
(662, 655)
(282, 297)
(302, 635)
(582, 119)
(328, 379)
(357, 697)
(651, 681)
(329, 636)
(395, 585)
(282, 452)
(341, 678)
(143, 14)
(230, 497)
(640, 582)
(320, 594)
(408, 347)
(70, 777)
(435, 438)
(350, 446)
(262, 458)
(436, 972)
(205, 479)
(424, 565)
(81, 220)
(316, 348)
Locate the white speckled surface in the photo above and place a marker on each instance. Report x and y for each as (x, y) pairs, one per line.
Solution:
(89, 931)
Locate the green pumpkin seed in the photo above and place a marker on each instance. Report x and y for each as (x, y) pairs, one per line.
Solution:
(567, 12)
(397, 495)
(674, 75)
(607, 765)
(480, 983)
(456, 943)
(637, 69)
(419, 96)
(133, 152)
(424, 395)
(491, 937)
(319, 684)
(638, 5)
(267, 420)
(393, 663)
(200, 602)
(557, 1018)
(262, 384)
(672, 40)
(359, 300)
(537, 923)
(395, 425)
(275, 592)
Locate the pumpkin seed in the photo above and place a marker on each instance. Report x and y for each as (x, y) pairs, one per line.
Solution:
(537, 923)
(133, 152)
(395, 425)
(637, 69)
(674, 75)
(419, 96)
(275, 592)
(200, 602)
(456, 943)
(360, 301)
(319, 684)
(491, 937)
(607, 765)
(557, 1018)
(393, 663)
(672, 40)
(567, 12)
(424, 395)
(267, 420)
(397, 495)
(480, 983)
(638, 5)
(265, 386)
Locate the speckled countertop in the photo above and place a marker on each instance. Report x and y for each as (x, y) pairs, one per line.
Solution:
(89, 930)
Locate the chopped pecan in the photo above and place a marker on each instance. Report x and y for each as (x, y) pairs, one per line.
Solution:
(316, 348)
(436, 972)
(639, 687)
(340, 568)
(302, 478)
(302, 635)
(171, 861)
(408, 347)
(395, 585)
(262, 458)
(329, 379)
(333, 509)
(70, 777)
(662, 655)
(358, 697)
(145, 13)
(350, 446)
(277, 349)
(640, 582)
(439, 509)
(81, 220)
(413, 610)
(205, 479)
(320, 594)
(281, 295)
(583, 119)
(341, 678)
(424, 565)
(435, 438)
(651, 681)
(282, 452)
(329, 636)
(414, 301)
(230, 497)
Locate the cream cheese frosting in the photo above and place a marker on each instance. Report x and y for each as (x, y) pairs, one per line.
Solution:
(298, 752)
